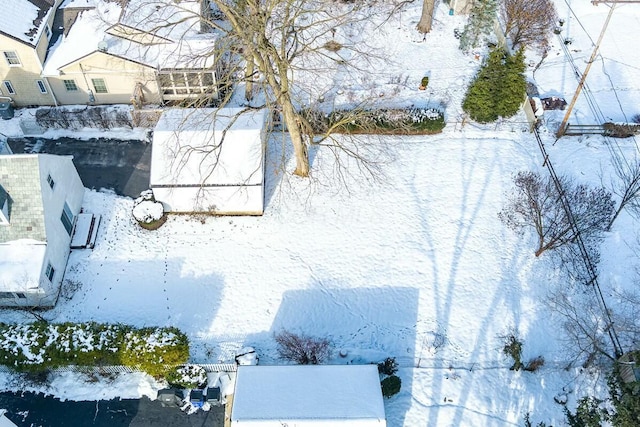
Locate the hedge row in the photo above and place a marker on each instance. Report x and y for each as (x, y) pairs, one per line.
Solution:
(411, 121)
(40, 346)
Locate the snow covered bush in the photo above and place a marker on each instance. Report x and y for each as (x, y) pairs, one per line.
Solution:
(410, 121)
(388, 367)
(148, 212)
(154, 350)
(74, 117)
(40, 346)
(391, 386)
(187, 376)
(302, 349)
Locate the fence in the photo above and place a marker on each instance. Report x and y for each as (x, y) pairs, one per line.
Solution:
(116, 369)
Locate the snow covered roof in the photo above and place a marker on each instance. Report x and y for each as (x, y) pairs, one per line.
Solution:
(175, 44)
(208, 146)
(20, 263)
(308, 393)
(24, 19)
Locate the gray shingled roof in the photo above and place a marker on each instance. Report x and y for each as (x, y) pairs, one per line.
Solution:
(20, 178)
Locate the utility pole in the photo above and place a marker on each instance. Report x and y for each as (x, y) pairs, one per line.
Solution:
(563, 126)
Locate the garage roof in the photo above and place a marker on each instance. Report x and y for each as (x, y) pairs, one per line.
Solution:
(337, 394)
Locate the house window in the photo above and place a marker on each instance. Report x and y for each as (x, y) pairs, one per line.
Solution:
(9, 87)
(51, 182)
(67, 218)
(41, 86)
(99, 85)
(50, 272)
(47, 31)
(12, 58)
(70, 85)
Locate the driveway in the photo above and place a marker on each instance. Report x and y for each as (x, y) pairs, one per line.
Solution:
(30, 409)
(122, 166)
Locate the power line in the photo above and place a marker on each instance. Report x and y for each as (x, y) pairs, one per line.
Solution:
(563, 125)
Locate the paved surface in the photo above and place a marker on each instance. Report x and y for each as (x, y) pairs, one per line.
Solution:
(35, 410)
(122, 166)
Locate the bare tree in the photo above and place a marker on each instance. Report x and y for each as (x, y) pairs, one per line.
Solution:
(536, 202)
(280, 38)
(627, 187)
(528, 23)
(584, 326)
(302, 349)
(281, 43)
(424, 25)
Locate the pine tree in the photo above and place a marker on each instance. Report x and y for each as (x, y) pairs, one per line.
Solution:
(498, 89)
(512, 85)
(481, 20)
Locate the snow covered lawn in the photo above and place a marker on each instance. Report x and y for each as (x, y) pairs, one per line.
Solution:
(416, 266)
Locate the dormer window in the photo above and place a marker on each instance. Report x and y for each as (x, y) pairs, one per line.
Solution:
(51, 182)
(4, 207)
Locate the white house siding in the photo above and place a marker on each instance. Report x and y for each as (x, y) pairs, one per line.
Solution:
(68, 188)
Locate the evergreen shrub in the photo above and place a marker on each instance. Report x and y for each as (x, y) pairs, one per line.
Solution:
(498, 89)
(391, 386)
(41, 346)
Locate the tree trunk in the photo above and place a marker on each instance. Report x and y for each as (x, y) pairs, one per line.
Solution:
(424, 26)
(297, 137)
(248, 81)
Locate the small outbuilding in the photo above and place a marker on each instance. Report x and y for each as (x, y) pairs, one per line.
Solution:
(308, 396)
(210, 160)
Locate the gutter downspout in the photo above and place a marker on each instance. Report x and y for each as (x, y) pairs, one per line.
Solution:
(53, 96)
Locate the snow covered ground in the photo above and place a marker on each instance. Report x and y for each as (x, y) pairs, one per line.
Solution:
(415, 265)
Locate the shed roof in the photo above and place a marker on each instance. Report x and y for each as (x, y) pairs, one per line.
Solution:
(308, 392)
(208, 146)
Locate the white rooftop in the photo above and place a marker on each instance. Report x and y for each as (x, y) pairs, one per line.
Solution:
(20, 263)
(308, 393)
(208, 146)
(19, 18)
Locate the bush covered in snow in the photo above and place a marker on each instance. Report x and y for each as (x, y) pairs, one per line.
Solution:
(410, 121)
(388, 367)
(187, 376)
(75, 117)
(148, 212)
(40, 346)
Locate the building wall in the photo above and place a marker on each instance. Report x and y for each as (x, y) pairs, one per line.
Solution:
(228, 200)
(68, 188)
(23, 78)
(120, 77)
